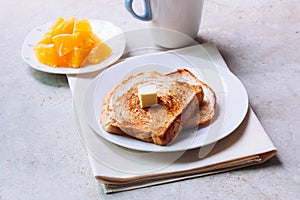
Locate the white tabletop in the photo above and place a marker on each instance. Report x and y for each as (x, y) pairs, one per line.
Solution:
(41, 156)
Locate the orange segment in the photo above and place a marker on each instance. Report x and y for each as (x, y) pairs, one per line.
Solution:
(63, 27)
(56, 25)
(47, 39)
(71, 43)
(46, 54)
(82, 26)
(95, 38)
(77, 57)
(64, 43)
(84, 40)
(99, 53)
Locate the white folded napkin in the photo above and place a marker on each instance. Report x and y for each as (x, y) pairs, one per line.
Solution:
(120, 169)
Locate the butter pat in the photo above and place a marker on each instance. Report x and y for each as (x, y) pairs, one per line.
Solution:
(147, 95)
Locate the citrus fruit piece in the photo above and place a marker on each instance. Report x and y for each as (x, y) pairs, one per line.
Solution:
(95, 38)
(77, 57)
(46, 54)
(55, 26)
(99, 53)
(82, 26)
(64, 26)
(70, 42)
(64, 43)
(47, 39)
(85, 40)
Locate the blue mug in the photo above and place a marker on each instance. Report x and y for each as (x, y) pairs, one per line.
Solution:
(147, 16)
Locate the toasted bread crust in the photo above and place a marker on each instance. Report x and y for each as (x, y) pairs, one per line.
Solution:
(122, 114)
(198, 110)
(206, 110)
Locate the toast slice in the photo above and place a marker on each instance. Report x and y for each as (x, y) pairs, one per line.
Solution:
(122, 114)
(206, 111)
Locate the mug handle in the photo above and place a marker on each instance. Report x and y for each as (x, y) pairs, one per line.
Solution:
(146, 16)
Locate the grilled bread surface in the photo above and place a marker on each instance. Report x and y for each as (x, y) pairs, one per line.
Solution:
(160, 124)
(206, 111)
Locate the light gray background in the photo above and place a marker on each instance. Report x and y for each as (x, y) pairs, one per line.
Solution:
(41, 156)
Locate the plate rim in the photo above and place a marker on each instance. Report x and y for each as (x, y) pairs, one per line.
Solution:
(165, 148)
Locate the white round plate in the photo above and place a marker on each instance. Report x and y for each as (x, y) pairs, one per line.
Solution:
(112, 35)
(231, 108)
